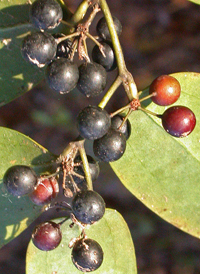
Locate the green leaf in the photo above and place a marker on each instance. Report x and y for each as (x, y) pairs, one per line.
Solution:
(163, 171)
(16, 76)
(17, 213)
(111, 232)
(195, 1)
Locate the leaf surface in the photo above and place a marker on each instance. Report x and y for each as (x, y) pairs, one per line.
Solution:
(195, 1)
(163, 171)
(111, 232)
(17, 76)
(17, 213)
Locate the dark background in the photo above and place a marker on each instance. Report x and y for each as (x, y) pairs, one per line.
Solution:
(159, 37)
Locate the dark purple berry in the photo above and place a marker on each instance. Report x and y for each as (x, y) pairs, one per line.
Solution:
(108, 61)
(47, 236)
(92, 79)
(46, 190)
(20, 180)
(87, 255)
(62, 75)
(116, 122)
(103, 31)
(178, 121)
(88, 207)
(63, 48)
(46, 14)
(93, 122)
(110, 147)
(39, 48)
(167, 90)
(94, 171)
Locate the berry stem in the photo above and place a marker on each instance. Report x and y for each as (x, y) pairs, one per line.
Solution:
(66, 12)
(58, 40)
(147, 97)
(80, 12)
(110, 92)
(127, 78)
(149, 112)
(93, 39)
(120, 110)
(86, 167)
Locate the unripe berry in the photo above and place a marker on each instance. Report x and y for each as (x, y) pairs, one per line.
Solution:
(166, 90)
(46, 190)
(47, 236)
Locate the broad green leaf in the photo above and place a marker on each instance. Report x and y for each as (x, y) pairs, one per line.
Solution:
(16, 76)
(195, 1)
(17, 213)
(111, 232)
(163, 171)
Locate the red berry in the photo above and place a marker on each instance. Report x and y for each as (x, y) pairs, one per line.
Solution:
(45, 191)
(179, 121)
(167, 90)
(47, 236)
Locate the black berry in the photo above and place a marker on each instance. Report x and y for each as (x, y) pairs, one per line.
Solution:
(116, 122)
(166, 89)
(47, 236)
(94, 171)
(46, 190)
(20, 180)
(62, 75)
(88, 206)
(92, 79)
(39, 48)
(63, 48)
(178, 121)
(93, 122)
(46, 14)
(93, 165)
(87, 255)
(108, 61)
(103, 31)
(110, 147)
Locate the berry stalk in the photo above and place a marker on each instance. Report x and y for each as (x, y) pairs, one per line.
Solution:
(127, 78)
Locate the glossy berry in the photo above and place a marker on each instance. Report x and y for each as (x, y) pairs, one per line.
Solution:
(88, 207)
(93, 122)
(62, 75)
(46, 190)
(103, 31)
(20, 180)
(63, 48)
(110, 147)
(178, 121)
(39, 48)
(108, 61)
(46, 14)
(116, 122)
(92, 79)
(94, 171)
(167, 90)
(47, 236)
(87, 255)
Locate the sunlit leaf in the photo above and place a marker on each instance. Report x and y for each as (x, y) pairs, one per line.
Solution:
(17, 213)
(111, 232)
(163, 171)
(195, 1)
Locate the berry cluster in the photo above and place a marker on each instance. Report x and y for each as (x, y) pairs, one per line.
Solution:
(178, 121)
(56, 52)
(109, 132)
